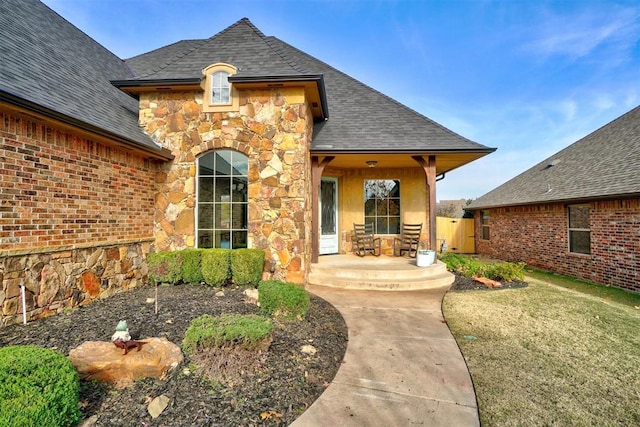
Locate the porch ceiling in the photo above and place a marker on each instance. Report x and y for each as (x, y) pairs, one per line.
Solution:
(445, 162)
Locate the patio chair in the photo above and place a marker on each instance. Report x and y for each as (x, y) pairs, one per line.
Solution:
(365, 241)
(408, 241)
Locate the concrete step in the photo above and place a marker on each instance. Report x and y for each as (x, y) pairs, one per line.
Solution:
(384, 273)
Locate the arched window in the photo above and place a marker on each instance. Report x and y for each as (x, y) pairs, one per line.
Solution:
(222, 200)
(219, 94)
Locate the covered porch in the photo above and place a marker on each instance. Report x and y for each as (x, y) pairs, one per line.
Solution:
(341, 195)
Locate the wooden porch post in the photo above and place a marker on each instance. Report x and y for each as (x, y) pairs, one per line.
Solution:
(429, 167)
(317, 167)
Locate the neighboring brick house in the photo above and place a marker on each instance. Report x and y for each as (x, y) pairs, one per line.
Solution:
(221, 142)
(575, 213)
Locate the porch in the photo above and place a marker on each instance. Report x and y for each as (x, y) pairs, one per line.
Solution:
(383, 273)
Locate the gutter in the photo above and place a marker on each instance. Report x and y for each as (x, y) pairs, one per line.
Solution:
(32, 107)
(561, 201)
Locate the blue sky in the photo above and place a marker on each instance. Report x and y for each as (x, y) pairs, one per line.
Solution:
(527, 77)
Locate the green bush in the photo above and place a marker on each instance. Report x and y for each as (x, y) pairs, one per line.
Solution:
(165, 267)
(246, 266)
(38, 387)
(192, 266)
(469, 267)
(283, 299)
(216, 268)
(248, 331)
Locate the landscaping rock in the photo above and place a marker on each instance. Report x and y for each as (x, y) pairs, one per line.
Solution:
(158, 405)
(488, 282)
(99, 360)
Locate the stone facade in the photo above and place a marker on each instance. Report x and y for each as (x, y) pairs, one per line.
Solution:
(56, 280)
(538, 235)
(273, 128)
(77, 217)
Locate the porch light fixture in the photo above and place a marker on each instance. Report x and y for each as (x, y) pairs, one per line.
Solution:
(372, 163)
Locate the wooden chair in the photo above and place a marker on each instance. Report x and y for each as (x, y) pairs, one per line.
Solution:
(408, 241)
(365, 241)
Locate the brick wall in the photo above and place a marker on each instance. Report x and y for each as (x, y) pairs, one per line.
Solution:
(538, 236)
(76, 218)
(59, 189)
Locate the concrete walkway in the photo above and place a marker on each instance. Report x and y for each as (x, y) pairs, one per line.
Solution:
(402, 366)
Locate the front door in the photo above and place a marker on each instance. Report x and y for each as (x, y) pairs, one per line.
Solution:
(328, 216)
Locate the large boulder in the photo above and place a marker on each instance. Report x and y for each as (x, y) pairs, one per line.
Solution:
(100, 360)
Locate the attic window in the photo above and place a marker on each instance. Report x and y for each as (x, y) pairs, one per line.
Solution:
(219, 93)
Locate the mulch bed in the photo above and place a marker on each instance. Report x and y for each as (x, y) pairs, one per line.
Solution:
(468, 284)
(287, 382)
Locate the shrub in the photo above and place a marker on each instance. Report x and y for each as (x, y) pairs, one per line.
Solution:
(192, 266)
(216, 269)
(165, 267)
(469, 267)
(283, 299)
(249, 331)
(38, 387)
(246, 266)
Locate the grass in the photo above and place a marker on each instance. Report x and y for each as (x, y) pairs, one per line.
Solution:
(563, 354)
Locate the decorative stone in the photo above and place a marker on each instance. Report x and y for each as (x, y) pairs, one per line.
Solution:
(158, 405)
(309, 349)
(252, 296)
(103, 361)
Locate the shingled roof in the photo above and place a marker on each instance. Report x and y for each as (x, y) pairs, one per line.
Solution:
(361, 119)
(50, 67)
(603, 165)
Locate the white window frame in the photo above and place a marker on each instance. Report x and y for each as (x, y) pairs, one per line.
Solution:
(208, 104)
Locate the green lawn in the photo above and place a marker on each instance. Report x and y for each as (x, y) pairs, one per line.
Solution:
(551, 355)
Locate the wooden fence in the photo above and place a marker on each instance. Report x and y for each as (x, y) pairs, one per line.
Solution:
(458, 233)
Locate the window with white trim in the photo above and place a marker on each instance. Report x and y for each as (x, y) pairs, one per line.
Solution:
(222, 200)
(579, 229)
(219, 93)
(382, 205)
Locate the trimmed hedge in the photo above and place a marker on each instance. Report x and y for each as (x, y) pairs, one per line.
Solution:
(38, 387)
(246, 266)
(469, 267)
(216, 266)
(246, 330)
(165, 267)
(192, 265)
(283, 299)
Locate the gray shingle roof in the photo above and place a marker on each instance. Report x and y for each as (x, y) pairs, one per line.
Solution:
(361, 118)
(52, 66)
(603, 164)
(241, 45)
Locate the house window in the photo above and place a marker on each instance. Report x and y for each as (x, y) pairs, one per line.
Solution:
(579, 231)
(222, 200)
(220, 89)
(382, 205)
(219, 93)
(485, 220)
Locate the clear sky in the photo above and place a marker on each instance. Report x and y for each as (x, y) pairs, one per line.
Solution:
(527, 77)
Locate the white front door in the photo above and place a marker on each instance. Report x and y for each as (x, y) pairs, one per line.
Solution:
(328, 203)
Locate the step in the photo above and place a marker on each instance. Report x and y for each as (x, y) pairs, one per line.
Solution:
(383, 273)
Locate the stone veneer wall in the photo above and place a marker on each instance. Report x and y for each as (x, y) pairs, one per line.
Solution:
(77, 217)
(273, 128)
(538, 235)
(56, 280)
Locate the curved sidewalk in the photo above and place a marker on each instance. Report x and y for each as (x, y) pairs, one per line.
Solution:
(402, 366)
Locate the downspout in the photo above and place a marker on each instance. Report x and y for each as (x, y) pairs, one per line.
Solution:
(440, 177)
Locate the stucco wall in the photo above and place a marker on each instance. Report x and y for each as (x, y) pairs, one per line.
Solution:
(538, 236)
(414, 203)
(273, 128)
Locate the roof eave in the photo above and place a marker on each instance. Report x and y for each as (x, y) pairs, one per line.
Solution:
(568, 200)
(39, 110)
